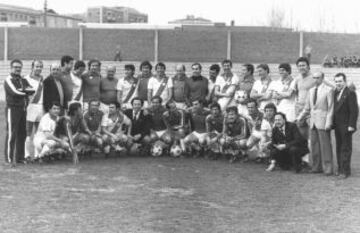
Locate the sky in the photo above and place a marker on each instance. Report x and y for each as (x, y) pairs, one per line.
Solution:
(309, 15)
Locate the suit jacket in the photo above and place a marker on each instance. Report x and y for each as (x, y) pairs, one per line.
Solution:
(51, 93)
(321, 113)
(346, 110)
(140, 125)
(291, 138)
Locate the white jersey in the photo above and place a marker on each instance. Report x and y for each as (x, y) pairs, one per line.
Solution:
(35, 85)
(224, 87)
(46, 125)
(265, 87)
(125, 87)
(154, 85)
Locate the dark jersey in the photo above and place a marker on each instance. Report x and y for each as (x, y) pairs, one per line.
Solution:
(157, 120)
(93, 119)
(215, 123)
(238, 128)
(198, 120)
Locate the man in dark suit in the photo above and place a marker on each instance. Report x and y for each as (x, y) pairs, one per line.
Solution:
(287, 146)
(53, 90)
(140, 130)
(346, 112)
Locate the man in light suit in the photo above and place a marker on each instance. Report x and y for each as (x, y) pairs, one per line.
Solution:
(320, 106)
(346, 113)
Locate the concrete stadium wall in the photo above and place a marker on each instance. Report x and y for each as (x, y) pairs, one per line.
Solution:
(268, 47)
(174, 45)
(192, 46)
(331, 44)
(43, 43)
(135, 45)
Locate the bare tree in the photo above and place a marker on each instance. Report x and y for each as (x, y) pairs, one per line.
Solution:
(276, 17)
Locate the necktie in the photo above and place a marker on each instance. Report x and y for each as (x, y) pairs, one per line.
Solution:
(315, 95)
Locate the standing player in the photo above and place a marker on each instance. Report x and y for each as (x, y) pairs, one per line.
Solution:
(53, 90)
(108, 89)
(214, 71)
(198, 85)
(160, 85)
(196, 140)
(235, 134)
(127, 88)
(78, 70)
(180, 87)
(91, 82)
(67, 63)
(35, 109)
(16, 103)
(226, 85)
(144, 77)
(214, 129)
(262, 89)
(285, 94)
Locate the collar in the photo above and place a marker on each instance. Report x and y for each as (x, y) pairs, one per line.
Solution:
(197, 77)
(15, 76)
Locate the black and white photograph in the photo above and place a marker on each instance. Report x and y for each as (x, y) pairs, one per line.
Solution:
(186, 116)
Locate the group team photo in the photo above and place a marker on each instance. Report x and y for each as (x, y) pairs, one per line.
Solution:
(216, 114)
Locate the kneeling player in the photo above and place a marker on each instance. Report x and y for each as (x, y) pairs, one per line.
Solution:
(235, 134)
(175, 121)
(112, 128)
(93, 118)
(214, 129)
(45, 139)
(196, 140)
(157, 126)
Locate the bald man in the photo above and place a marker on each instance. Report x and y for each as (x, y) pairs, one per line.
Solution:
(53, 90)
(180, 87)
(320, 106)
(108, 92)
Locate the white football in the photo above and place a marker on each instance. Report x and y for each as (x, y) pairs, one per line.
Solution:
(240, 96)
(175, 151)
(156, 150)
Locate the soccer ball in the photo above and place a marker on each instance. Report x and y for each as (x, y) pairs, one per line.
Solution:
(240, 96)
(156, 150)
(175, 151)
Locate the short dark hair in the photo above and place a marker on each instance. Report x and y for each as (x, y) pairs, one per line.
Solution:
(232, 109)
(281, 114)
(198, 100)
(302, 59)
(270, 105)
(264, 67)
(79, 64)
(130, 67)
(36, 60)
(341, 75)
(161, 65)
(93, 61)
(117, 104)
(249, 67)
(215, 105)
(252, 100)
(226, 61)
(73, 108)
(156, 97)
(66, 59)
(55, 103)
(137, 98)
(167, 105)
(94, 100)
(286, 67)
(145, 63)
(196, 64)
(215, 67)
(16, 61)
